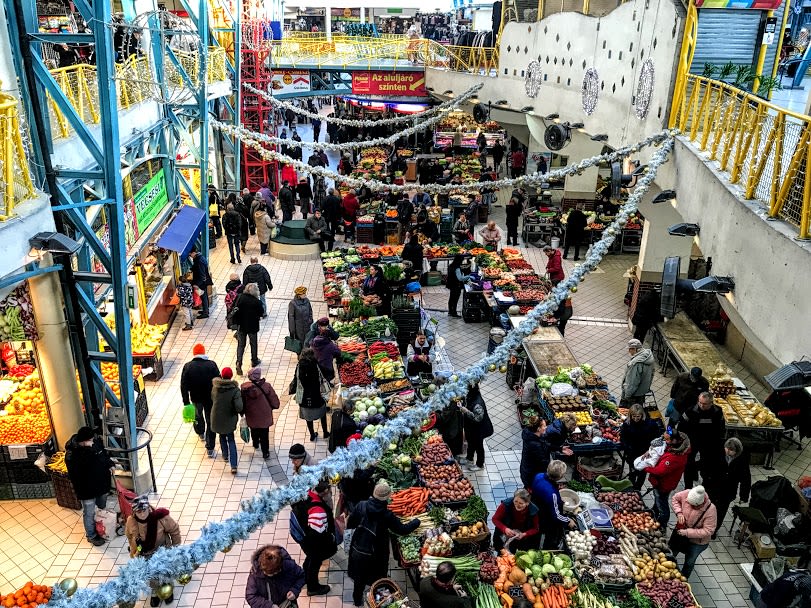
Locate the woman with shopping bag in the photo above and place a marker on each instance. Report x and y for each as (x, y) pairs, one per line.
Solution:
(259, 399)
(696, 517)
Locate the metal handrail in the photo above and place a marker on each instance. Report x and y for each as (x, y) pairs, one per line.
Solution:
(15, 179)
(761, 146)
(125, 452)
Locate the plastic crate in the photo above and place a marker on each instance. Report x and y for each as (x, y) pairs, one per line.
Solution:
(153, 361)
(6, 493)
(32, 490)
(25, 473)
(33, 450)
(141, 409)
(65, 494)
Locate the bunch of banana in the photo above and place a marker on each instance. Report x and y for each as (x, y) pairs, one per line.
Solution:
(146, 338)
(388, 370)
(57, 463)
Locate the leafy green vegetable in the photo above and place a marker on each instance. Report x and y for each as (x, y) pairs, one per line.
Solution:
(579, 486)
(437, 515)
(475, 510)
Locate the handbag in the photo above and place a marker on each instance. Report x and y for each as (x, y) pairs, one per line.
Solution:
(196, 298)
(325, 387)
(233, 315)
(292, 344)
(291, 389)
(244, 431)
(679, 543)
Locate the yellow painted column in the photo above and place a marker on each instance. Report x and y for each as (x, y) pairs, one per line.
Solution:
(786, 12)
(53, 351)
(761, 58)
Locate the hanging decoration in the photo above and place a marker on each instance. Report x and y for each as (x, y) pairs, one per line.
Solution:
(590, 92)
(532, 179)
(533, 79)
(170, 564)
(644, 89)
(443, 108)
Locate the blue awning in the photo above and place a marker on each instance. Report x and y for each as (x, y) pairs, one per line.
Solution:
(183, 231)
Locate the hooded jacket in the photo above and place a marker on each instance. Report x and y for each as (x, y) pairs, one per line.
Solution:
(699, 523)
(260, 585)
(554, 266)
(635, 437)
(232, 222)
(638, 374)
(259, 399)
(256, 273)
(196, 378)
(264, 225)
(299, 317)
(325, 352)
(685, 392)
(227, 405)
(665, 475)
(535, 456)
(88, 468)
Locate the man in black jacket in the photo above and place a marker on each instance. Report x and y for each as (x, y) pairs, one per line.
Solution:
(685, 391)
(314, 516)
(231, 224)
(89, 467)
(704, 424)
(196, 381)
(575, 228)
(442, 591)
(331, 210)
(245, 210)
(256, 273)
(201, 278)
(287, 201)
(247, 317)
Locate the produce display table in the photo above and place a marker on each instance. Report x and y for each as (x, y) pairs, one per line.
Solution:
(547, 355)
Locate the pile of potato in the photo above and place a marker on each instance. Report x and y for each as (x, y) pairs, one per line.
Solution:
(659, 568)
(635, 522)
(628, 501)
(468, 532)
(449, 491)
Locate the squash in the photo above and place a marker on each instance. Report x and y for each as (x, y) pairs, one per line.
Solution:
(517, 576)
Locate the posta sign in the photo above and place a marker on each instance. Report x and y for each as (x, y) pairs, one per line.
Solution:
(390, 84)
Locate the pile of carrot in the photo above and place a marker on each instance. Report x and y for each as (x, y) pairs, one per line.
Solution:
(555, 596)
(408, 502)
(352, 347)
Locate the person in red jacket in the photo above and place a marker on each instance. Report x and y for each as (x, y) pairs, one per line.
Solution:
(664, 476)
(554, 266)
(349, 212)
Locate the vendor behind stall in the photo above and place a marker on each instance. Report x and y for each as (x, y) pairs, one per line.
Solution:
(491, 235)
(461, 230)
(516, 521)
(419, 356)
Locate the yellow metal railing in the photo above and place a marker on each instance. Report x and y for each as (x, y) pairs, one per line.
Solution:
(15, 184)
(763, 148)
(135, 79)
(315, 50)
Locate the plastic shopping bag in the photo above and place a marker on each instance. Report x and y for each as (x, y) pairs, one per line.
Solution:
(105, 523)
(244, 431)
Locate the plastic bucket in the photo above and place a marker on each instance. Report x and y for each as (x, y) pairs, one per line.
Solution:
(555, 242)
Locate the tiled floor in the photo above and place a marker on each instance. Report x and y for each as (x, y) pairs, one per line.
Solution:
(44, 543)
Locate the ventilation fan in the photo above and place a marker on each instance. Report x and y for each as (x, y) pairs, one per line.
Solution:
(481, 113)
(556, 137)
(620, 180)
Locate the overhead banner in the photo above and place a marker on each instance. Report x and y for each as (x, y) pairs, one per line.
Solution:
(289, 81)
(761, 5)
(391, 84)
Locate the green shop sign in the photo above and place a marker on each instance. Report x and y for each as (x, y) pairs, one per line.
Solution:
(142, 209)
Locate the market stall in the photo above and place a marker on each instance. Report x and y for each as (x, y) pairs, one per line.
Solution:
(466, 125)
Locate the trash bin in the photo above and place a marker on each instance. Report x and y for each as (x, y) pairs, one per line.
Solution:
(555, 242)
(496, 337)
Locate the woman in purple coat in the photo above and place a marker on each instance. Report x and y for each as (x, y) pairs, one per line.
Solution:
(326, 351)
(274, 578)
(259, 400)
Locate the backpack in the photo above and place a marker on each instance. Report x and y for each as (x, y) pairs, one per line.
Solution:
(231, 318)
(365, 535)
(297, 532)
(230, 298)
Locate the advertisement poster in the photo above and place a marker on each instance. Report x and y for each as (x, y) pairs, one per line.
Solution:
(142, 209)
(289, 81)
(391, 84)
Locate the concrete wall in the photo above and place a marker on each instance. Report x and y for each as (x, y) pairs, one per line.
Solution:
(769, 306)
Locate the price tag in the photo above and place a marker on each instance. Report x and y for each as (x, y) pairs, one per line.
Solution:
(595, 561)
(555, 578)
(17, 452)
(586, 577)
(674, 603)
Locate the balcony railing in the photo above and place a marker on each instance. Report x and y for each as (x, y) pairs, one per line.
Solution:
(763, 148)
(15, 179)
(135, 79)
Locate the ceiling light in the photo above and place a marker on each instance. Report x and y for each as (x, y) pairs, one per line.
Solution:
(664, 196)
(576, 125)
(640, 170)
(552, 117)
(448, 92)
(502, 102)
(600, 137)
(52, 242)
(527, 109)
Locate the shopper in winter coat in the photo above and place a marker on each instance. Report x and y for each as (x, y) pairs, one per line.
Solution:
(317, 230)
(231, 225)
(558, 432)
(575, 228)
(478, 427)
(257, 273)
(535, 454)
(196, 381)
(517, 517)
(246, 228)
(638, 374)
(343, 426)
(331, 210)
(287, 201)
(299, 314)
(308, 393)
(647, 313)
(665, 475)
(147, 530)
(320, 327)
(449, 425)
(227, 405)
(704, 424)
(259, 399)
(201, 278)
(554, 265)
(546, 496)
(247, 317)
(314, 516)
(264, 227)
(514, 211)
(326, 351)
(89, 468)
(685, 391)
(696, 519)
(305, 196)
(457, 277)
(369, 550)
(491, 234)
(636, 433)
(730, 479)
(412, 252)
(274, 578)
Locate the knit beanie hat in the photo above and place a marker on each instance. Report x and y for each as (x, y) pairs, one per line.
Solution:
(255, 374)
(696, 496)
(382, 491)
(301, 290)
(85, 434)
(297, 451)
(198, 349)
(227, 373)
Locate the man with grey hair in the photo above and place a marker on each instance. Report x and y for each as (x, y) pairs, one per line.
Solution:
(247, 315)
(638, 374)
(256, 273)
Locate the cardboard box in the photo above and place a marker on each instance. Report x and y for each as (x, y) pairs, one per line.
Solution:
(805, 505)
(762, 550)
